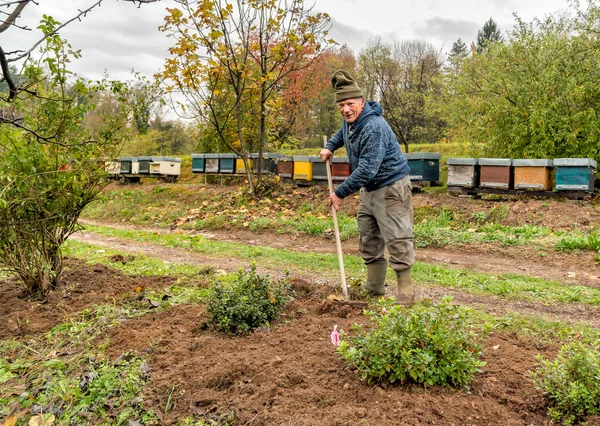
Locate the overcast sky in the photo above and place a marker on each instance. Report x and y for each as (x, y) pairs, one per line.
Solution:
(119, 36)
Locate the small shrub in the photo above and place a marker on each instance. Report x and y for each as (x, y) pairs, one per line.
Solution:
(571, 382)
(248, 302)
(430, 346)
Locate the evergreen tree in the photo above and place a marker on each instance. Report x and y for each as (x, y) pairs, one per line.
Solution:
(488, 34)
(458, 53)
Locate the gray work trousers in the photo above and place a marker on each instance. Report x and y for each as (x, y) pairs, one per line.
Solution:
(385, 219)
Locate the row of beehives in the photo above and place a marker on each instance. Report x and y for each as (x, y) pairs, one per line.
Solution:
(424, 166)
(560, 174)
(133, 168)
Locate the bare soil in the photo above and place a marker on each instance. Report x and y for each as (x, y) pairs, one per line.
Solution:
(291, 374)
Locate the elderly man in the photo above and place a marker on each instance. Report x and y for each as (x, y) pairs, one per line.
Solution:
(380, 172)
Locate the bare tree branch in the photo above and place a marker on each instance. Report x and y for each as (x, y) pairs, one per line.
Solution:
(14, 15)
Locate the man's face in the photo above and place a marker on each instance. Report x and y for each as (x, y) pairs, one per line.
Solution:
(351, 109)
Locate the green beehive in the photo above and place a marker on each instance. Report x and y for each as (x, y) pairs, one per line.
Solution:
(227, 163)
(198, 163)
(574, 174)
(424, 166)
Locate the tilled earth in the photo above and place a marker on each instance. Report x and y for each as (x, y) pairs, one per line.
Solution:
(291, 373)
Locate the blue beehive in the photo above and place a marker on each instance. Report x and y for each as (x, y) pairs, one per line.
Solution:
(227, 163)
(574, 174)
(198, 163)
(424, 166)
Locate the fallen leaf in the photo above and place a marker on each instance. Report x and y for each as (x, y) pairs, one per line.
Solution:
(39, 420)
(12, 420)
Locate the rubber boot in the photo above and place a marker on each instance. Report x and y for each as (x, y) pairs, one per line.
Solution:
(406, 295)
(376, 278)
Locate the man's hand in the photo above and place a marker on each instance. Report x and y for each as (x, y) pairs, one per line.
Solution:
(325, 154)
(335, 201)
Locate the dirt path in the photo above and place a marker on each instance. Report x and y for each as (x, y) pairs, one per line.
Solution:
(485, 262)
(570, 269)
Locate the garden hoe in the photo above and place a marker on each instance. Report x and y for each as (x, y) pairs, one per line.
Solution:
(338, 242)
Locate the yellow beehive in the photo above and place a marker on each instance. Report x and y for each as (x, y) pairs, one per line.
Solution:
(239, 164)
(303, 168)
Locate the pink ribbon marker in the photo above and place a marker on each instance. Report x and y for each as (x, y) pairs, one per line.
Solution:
(335, 336)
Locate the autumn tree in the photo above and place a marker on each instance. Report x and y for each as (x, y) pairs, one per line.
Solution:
(231, 58)
(307, 107)
(536, 95)
(403, 78)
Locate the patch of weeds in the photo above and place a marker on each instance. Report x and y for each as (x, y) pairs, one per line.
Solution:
(426, 345)
(68, 377)
(498, 213)
(260, 223)
(593, 241)
(570, 382)
(223, 418)
(511, 236)
(246, 301)
(479, 217)
(571, 243)
(179, 294)
(159, 189)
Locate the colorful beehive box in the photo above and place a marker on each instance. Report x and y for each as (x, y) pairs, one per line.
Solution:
(212, 163)
(285, 167)
(198, 163)
(112, 167)
(240, 167)
(424, 166)
(269, 162)
(227, 163)
(129, 165)
(302, 167)
(574, 174)
(533, 174)
(463, 172)
(340, 168)
(319, 168)
(496, 173)
(167, 166)
(144, 166)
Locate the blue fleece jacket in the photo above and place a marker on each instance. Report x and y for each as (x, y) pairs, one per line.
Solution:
(373, 152)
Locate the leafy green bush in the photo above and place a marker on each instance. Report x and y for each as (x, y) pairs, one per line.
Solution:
(571, 382)
(432, 346)
(246, 303)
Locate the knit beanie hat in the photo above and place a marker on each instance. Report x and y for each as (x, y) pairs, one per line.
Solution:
(344, 86)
